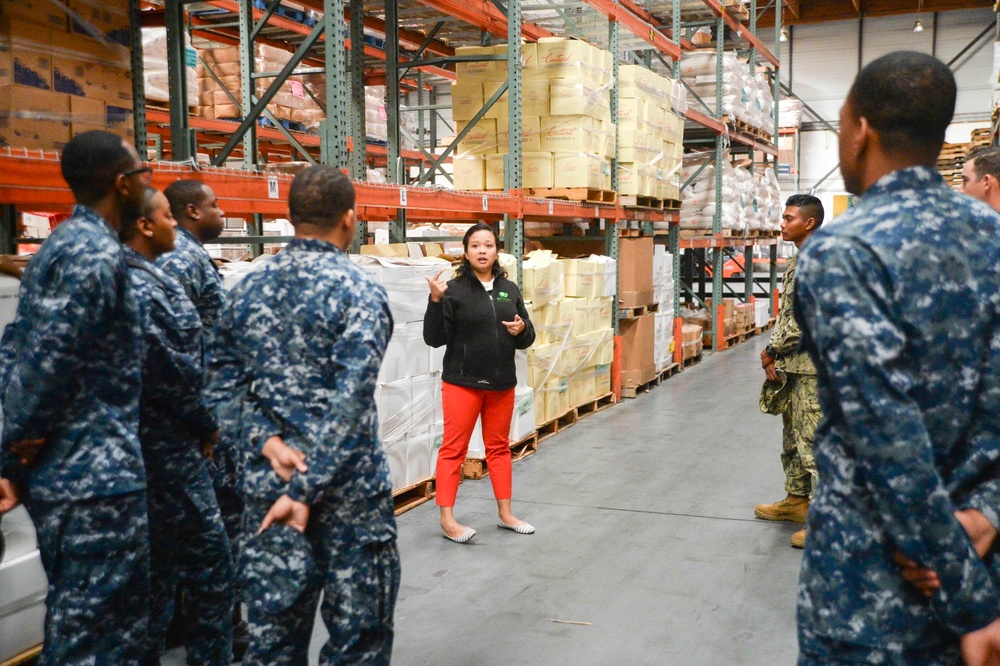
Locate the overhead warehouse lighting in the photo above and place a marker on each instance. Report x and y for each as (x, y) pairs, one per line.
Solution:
(783, 35)
(918, 26)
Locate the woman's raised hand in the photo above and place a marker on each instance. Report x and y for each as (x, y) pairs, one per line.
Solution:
(438, 286)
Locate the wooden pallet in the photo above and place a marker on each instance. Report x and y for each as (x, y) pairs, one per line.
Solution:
(693, 360)
(584, 194)
(669, 370)
(672, 204)
(475, 468)
(547, 430)
(705, 233)
(595, 405)
(639, 201)
(636, 312)
(414, 495)
(636, 391)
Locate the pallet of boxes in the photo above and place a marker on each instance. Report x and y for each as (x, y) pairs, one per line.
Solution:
(567, 134)
(663, 298)
(64, 69)
(569, 365)
(637, 314)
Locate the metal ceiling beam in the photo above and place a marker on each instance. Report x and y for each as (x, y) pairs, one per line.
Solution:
(820, 11)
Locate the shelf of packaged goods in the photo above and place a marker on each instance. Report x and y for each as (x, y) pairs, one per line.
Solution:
(484, 15)
(787, 131)
(742, 30)
(724, 241)
(646, 16)
(719, 127)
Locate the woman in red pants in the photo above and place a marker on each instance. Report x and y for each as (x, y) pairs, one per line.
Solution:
(481, 317)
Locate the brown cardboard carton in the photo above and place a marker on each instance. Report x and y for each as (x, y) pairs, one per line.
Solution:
(635, 272)
(25, 54)
(42, 12)
(32, 118)
(101, 19)
(691, 333)
(638, 336)
(87, 114)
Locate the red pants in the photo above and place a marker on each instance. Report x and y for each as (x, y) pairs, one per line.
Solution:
(462, 408)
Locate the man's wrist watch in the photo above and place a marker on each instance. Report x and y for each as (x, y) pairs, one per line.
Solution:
(769, 350)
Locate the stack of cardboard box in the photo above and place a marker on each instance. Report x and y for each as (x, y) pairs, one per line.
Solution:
(292, 103)
(567, 135)
(691, 340)
(63, 70)
(635, 261)
(650, 135)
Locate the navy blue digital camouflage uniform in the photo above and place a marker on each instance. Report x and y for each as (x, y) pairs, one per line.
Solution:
(297, 355)
(188, 542)
(899, 300)
(71, 374)
(193, 267)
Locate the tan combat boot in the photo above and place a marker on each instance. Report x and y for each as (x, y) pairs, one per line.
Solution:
(799, 539)
(793, 508)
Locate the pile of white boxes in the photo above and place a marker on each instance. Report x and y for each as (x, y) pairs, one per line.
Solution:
(746, 96)
(571, 303)
(663, 297)
(650, 135)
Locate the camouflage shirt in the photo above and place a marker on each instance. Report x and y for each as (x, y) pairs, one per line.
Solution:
(787, 334)
(899, 299)
(72, 367)
(296, 354)
(192, 266)
(174, 415)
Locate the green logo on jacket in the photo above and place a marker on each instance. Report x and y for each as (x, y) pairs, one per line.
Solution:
(504, 297)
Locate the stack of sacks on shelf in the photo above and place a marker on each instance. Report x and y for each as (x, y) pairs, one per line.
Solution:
(570, 304)
(650, 135)
(745, 96)
(567, 135)
(663, 296)
(154, 67)
(768, 198)
(408, 394)
(64, 69)
(699, 198)
(292, 103)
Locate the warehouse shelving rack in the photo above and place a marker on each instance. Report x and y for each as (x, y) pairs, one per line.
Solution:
(419, 40)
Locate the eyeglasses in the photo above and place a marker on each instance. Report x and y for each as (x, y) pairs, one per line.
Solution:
(145, 174)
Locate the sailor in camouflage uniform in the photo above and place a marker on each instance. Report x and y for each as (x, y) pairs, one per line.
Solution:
(188, 543)
(803, 215)
(195, 207)
(71, 379)
(899, 302)
(297, 357)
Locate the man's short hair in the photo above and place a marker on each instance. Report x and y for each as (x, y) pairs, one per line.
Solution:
(908, 98)
(91, 162)
(987, 161)
(180, 193)
(320, 195)
(809, 205)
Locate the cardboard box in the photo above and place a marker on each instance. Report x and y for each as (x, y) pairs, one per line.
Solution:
(466, 100)
(579, 170)
(638, 336)
(25, 54)
(480, 140)
(530, 135)
(691, 332)
(469, 173)
(484, 70)
(121, 121)
(87, 114)
(635, 271)
(32, 118)
(109, 19)
(567, 134)
(570, 97)
(41, 12)
(564, 57)
(536, 170)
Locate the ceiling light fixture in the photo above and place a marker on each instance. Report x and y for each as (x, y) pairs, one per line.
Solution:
(783, 35)
(918, 26)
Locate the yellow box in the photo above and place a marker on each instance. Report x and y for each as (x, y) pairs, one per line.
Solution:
(567, 134)
(469, 173)
(466, 100)
(579, 170)
(560, 57)
(531, 136)
(602, 380)
(581, 387)
(536, 171)
(495, 172)
(578, 97)
(484, 70)
(481, 139)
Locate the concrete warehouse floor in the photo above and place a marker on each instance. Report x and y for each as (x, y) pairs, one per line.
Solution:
(646, 550)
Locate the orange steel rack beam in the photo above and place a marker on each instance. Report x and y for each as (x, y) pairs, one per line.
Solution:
(640, 27)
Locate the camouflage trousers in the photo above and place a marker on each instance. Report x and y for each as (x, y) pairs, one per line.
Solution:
(827, 652)
(359, 599)
(800, 422)
(189, 550)
(225, 480)
(96, 556)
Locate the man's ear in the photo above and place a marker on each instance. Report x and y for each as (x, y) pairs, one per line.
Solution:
(810, 223)
(349, 220)
(990, 183)
(864, 137)
(192, 211)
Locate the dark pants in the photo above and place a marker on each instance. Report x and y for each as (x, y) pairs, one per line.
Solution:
(96, 556)
(359, 589)
(189, 550)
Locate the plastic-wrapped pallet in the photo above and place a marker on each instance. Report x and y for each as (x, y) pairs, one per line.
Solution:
(411, 426)
(663, 340)
(663, 278)
(403, 279)
(543, 278)
(699, 198)
(154, 61)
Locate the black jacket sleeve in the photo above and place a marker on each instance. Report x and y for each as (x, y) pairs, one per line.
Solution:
(438, 322)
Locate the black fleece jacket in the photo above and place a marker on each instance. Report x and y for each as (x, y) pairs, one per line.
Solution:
(480, 351)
